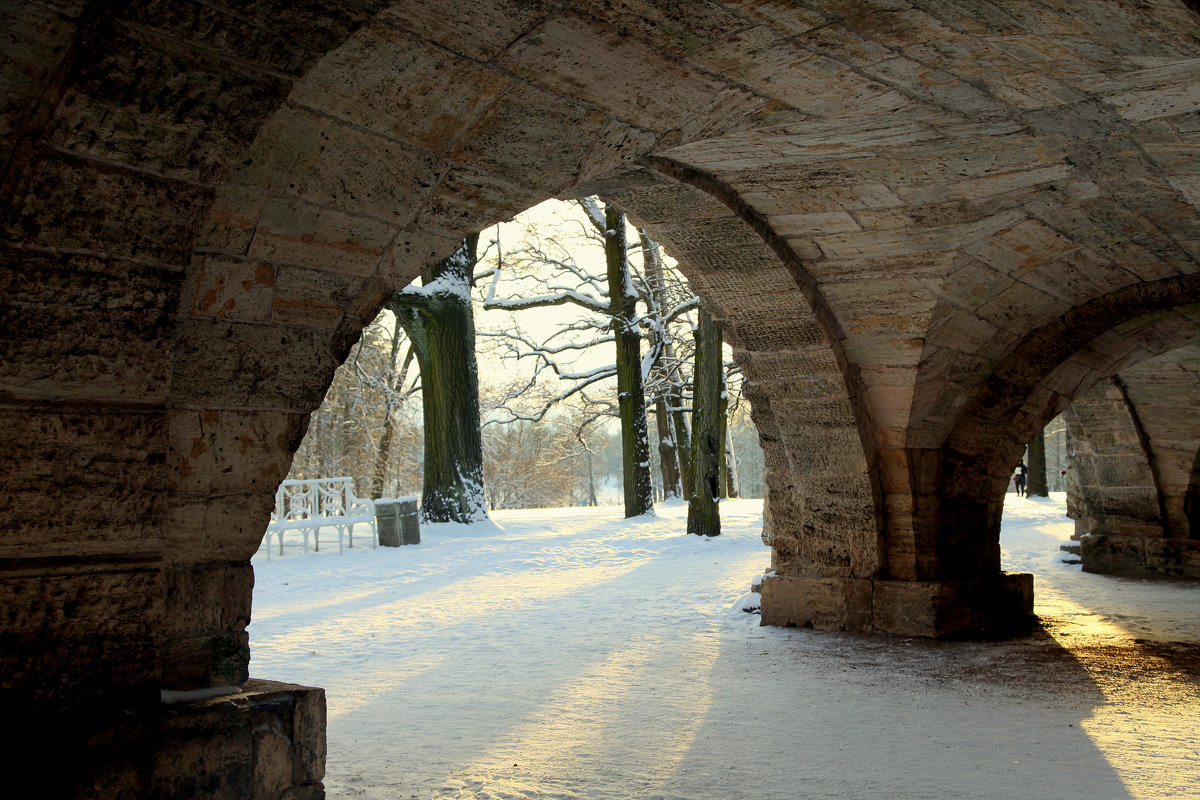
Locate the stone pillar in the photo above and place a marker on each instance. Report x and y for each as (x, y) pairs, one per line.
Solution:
(1134, 459)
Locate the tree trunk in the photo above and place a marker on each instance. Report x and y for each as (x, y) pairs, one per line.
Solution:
(440, 324)
(1036, 486)
(683, 442)
(635, 445)
(668, 461)
(592, 501)
(732, 487)
(708, 432)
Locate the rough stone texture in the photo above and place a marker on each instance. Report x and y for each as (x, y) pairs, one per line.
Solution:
(266, 743)
(927, 227)
(1135, 443)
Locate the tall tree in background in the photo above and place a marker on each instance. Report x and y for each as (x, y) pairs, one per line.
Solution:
(631, 396)
(708, 431)
(394, 394)
(674, 456)
(1037, 486)
(437, 318)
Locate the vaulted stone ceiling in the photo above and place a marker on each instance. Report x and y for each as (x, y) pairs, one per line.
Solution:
(926, 227)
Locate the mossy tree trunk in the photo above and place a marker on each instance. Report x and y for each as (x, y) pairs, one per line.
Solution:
(1037, 485)
(635, 444)
(708, 431)
(439, 322)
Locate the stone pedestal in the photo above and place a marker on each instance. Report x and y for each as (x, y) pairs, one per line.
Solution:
(1140, 555)
(996, 606)
(398, 522)
(265, 743)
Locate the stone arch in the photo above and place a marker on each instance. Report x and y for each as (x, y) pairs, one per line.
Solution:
(191, 195)
(823, 517)
(1114, 487)
(385, 152)
(1033, 384)
(1135, 440)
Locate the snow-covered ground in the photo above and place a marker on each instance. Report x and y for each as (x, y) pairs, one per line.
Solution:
(568, 653)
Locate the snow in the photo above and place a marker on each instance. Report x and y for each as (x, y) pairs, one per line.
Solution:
(446, 285)
(567, 653)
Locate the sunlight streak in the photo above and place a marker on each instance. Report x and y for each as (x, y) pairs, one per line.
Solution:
(633, 712)
(1146, 728)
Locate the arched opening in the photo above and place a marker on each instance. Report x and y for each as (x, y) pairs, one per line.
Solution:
(1042, 377)
(202, 208)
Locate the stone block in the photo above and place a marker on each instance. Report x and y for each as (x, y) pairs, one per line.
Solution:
(79, 633)
(254, 34)
(555, 136)
(205, 750)
(1001, 605)
(823, 603)
(252, 356)
(228, 287)
(265, 743)
(231, 451)
(36, 35)
(402, 87)
(1114, 555)
(170, 110)
(470, 200)
(618, 74)
(479, 29)
(84, 326)
(85, 206)
(207, 598)
(308, 732)
(274, 751)
(108, 468)
(1123, 470)
(300, 153)
(223, 527)
(291, 231)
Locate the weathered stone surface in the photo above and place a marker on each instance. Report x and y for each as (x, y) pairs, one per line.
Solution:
(927, 229)
(94, 327)
(170, 110)
(1135, 442)
(254, 353)
(108, 466)
(79, 205)
(246, 745)
(826, 603)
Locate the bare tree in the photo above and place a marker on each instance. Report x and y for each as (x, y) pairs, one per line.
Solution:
(611, 301)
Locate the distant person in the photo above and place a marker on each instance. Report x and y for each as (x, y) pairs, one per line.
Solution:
(1019, 479)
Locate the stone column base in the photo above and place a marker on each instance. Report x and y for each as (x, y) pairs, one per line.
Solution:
(997, 606)
(1140, 555)
(266, 743)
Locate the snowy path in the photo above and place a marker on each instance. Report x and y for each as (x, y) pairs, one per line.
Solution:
(570, 654)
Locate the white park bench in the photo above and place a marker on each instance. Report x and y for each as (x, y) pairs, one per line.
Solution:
(306, 507)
